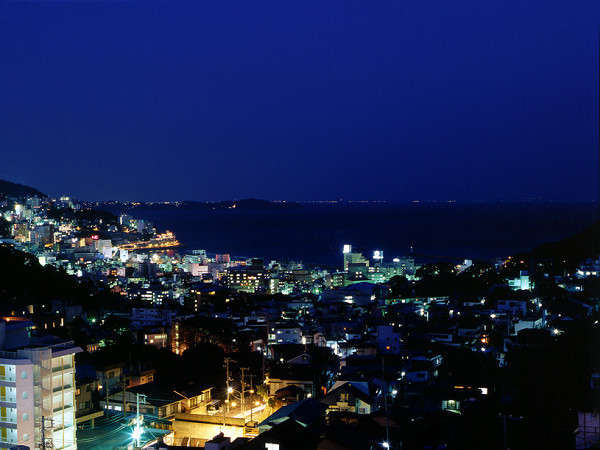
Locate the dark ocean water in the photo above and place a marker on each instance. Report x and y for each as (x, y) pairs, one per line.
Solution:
(316, 234)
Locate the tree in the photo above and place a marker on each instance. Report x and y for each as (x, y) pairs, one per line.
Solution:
(400, 286)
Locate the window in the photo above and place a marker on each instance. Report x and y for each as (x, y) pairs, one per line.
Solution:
(25, 417)
(23, 375)
(25, 395)
(26, 436)
(344, 397)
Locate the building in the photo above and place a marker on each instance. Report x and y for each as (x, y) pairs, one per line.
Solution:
(86, 396)
(388, 341)
(355, 259)
(151, 317)
(247, 278)
(346, 396)
(522, 282)
(158, 339)
(158, 401)
(286, 333)
(283, 377)
(222, 259)
(37, 387)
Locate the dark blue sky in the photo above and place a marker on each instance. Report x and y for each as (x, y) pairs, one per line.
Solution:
(397, 100)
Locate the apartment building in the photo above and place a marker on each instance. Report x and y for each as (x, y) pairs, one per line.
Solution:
(37, 388)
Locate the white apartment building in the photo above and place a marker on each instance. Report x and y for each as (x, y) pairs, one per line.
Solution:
(37, 389)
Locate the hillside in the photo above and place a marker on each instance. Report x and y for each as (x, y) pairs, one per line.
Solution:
(9, 189)
(576, 248)
(23, 281)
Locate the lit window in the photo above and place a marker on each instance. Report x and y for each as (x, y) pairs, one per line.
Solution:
(25, 417)
(24, 375)
(25, 395)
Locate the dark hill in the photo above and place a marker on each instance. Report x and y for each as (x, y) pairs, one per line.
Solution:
(23, 281)
(8, 189)
(585, 244)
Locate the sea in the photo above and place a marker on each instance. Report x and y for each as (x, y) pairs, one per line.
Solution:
(315, 234)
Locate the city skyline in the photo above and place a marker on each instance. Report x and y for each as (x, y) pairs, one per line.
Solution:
(272, 225)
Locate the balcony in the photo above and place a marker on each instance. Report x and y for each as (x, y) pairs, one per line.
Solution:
(8, 399)
(61, 368)
(65, 408)
(10, 378)
(8, 419)
(63, 427)
(66, 387)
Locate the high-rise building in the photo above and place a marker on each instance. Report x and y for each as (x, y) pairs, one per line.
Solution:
(353, 258)
(223, 259)
(37, 388)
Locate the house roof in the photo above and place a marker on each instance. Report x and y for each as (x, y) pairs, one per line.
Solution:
(304, 412)
(159, 395)
(351, 387)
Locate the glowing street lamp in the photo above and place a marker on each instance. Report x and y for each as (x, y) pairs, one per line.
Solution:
(137, 434)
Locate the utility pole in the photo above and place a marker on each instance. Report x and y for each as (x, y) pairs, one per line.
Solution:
(138, 429)
(124, 398)
(243, 369)
(385, 393)
(137, 419)
(504, 443)
(251, 393)
(227, 379)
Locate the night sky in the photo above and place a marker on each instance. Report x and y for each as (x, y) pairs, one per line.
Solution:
(394, 100)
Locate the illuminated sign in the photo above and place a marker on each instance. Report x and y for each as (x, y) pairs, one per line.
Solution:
(347, 248)
(378, 254)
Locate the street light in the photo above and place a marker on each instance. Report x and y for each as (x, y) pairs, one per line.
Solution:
(385, 444)
(137, 434)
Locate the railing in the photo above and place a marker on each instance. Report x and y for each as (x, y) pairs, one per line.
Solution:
(8, 378)
(7, 419)
(60, 408)
(61, 368)
(60, 388)
(8, 399)
(62, 427)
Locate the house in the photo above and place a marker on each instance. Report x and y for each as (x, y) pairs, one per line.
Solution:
(419, 371)
(285, 333)
(515, 307)
(388, 341)
(528, 322)
(289, 394)
(288, 434)
(349, 396)
(158, 401)
(441, 336)
(281, 377)
(304, 359)
(304, 413)
(86, 396)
